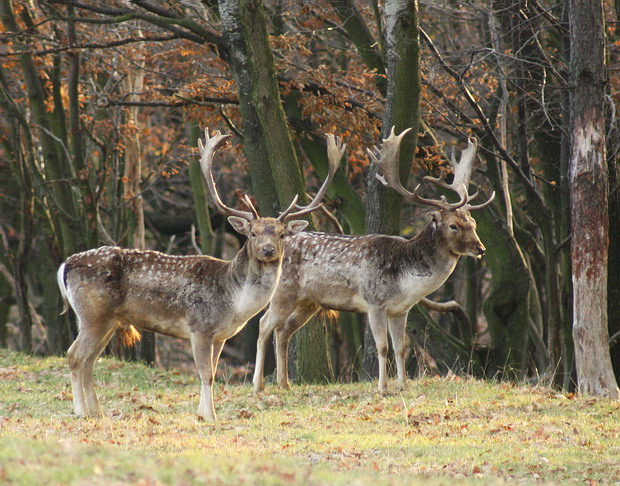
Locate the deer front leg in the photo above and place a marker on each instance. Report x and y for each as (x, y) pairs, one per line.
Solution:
(202, 348)
(377, 319)
(397, 326)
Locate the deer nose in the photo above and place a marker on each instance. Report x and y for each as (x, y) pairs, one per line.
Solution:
(480, 249)
(269, 250)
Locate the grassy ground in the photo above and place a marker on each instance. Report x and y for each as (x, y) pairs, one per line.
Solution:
(440, 431)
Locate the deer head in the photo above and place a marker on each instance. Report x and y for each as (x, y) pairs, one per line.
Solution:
(453, 221)
(265, 235)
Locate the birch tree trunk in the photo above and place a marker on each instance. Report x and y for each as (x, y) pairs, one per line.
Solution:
(589, 208)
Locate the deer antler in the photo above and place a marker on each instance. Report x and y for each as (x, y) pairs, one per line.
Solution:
(207, 152)
(335, 151)
(462, 176)
(386, 160)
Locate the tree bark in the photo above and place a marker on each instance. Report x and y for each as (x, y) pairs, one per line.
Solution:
(199, 194)
(589, 207)
(22, 257)
(613, 285)
(362, 37)
(275, 171)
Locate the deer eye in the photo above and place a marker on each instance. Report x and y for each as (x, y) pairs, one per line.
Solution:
(253, 234)
(453, 227)
(282, 235)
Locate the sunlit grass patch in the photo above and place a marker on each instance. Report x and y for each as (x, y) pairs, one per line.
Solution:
(456, 429)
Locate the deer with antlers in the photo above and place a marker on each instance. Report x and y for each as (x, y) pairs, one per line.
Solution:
(383, 276)
(202, 298)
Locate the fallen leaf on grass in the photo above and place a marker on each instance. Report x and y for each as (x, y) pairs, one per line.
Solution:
(244, 413)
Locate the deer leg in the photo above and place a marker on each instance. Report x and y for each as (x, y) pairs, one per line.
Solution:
(202, 348)
(81, 356)
(94, 409)
(266, 326)
(397, 326)
(76, 366)
(377, 319)
(217, 350)
(300, 316)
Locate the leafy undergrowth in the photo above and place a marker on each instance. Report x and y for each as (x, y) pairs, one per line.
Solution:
(439, 431)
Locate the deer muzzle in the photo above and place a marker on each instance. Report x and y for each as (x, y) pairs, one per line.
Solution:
(268, 251)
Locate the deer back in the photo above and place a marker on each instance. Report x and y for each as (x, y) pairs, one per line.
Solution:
(147, 289)
(350, 273)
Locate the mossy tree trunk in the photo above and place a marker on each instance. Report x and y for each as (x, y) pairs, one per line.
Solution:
(275, 171)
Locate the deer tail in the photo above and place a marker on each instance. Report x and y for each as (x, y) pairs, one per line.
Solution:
(62, 285)
(129, 335)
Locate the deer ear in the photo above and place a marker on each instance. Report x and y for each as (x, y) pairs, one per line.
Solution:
(296, 226)
(434, 216)
(239, 224)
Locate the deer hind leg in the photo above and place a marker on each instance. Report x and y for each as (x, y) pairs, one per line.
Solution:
(397, 326)
(377, 319)
(92, 339)
(202, 348)
(300, 316)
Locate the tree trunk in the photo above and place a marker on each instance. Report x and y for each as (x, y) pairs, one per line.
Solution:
(22, 257)
(201, 208)
(274, 168)
(613, 285)
(402, 41)
(362, 37)
(589, 191)
(507, 307)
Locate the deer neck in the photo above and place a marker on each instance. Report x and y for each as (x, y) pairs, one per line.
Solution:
(254, 280)
(429, 252)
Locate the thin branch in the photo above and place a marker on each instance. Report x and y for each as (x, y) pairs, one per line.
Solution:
(527, 182)
(206, 100)
(613, 340)
(230, 123)
(165, 23)
(118, 43)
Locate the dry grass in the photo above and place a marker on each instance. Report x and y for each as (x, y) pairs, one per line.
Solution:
(438, 431)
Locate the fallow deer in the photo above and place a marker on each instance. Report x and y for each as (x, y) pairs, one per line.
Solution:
(383, 276)
(202, 298)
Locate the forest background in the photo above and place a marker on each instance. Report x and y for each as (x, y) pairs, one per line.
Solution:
(102, 104)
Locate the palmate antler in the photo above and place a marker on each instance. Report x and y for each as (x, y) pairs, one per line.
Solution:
(335, 150)
(386, 158)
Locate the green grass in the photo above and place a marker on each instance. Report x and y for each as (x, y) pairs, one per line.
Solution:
(440, 431)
